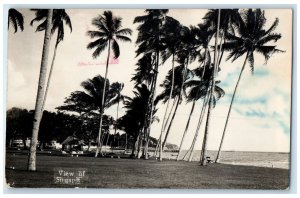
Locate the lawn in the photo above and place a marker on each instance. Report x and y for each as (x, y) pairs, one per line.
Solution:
(133, 173)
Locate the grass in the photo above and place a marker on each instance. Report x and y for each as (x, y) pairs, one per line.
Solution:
(133, 173)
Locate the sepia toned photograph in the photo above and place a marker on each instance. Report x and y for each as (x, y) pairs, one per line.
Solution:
(149, 98)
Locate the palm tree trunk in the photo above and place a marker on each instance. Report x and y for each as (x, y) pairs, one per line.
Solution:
(200, 119)
(125, 143)
(99, 146)
(116, 124)
(40, 94)
(179, 101)
(166, 123)
(203, 109)
(210, 99)
(152, 105)
(170, 125)
(170, 96)
(220, 51)
(186, 129)
(229, 111)
(107, 139)
(133, 147)
(50, 75)
(139, 146)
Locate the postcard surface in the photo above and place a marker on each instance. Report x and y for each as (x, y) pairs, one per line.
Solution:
(149, 98)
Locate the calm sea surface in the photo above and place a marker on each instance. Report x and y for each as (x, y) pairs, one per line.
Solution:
(263, 159)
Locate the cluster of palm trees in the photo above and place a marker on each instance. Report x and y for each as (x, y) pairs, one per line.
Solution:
(234, 33)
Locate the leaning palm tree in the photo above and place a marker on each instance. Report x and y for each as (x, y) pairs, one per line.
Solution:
(171, 39)
(200, 89)
(251, 38)
(59, 18)
(40, 94)
(203, 34)
(210, 95)
(16, 18)
(149, 43)
(187, 53)
(108, 33)
(180, 74)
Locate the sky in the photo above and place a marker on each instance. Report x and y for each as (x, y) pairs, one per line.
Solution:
(260, 118)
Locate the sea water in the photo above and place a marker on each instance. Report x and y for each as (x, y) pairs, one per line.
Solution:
(262, 159)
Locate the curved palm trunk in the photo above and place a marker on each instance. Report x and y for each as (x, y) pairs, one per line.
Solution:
(166, 123)
(99, 146)
(203, 159)
(170, 125)
(229, 111)
(186, 129)
(174, 113)
(200, 119)
(40, 94)
(203, 109)
(170, 96)
(147, 135)
(50, 74)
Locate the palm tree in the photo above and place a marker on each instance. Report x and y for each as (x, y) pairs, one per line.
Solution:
(252, 37)
(16, 18)
(59, 18)
(108, 33)
(40, 94)
(200, 89)
(203, 34)
(231, 19)
(187, 52)
(149, 42)
(210, 97)
(171, 39)
(118, 87)
(176, 89)
(133, 121)
(89, 100)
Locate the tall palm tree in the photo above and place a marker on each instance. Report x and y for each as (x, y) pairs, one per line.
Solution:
(149, 42)
(171, 39)
(210, 96)
(230, 19)
(59, 18)
(16, 18)
(187, 52)
(40, 94)
(108, 33)
(251, 38)
(203, 34)
(200, 89)
(176, 89)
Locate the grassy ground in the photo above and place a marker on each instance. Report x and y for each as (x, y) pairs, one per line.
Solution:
(131, 173)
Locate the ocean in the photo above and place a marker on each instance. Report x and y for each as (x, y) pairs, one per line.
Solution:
(262, 159)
